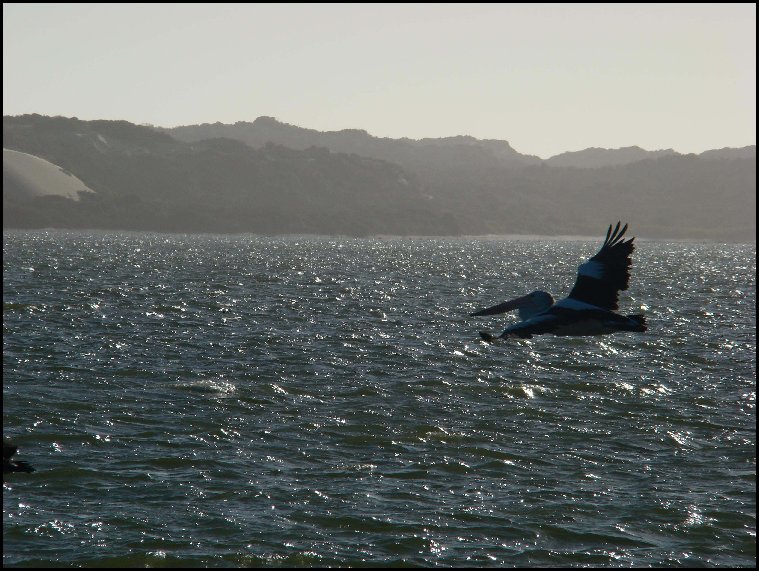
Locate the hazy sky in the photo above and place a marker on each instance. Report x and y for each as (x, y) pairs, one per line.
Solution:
(548, 78)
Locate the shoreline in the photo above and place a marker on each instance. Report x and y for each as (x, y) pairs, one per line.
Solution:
(481, 237)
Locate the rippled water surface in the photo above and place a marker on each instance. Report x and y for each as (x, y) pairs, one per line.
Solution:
(305, 401)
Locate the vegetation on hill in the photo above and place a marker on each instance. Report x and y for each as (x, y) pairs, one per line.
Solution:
(268, 177)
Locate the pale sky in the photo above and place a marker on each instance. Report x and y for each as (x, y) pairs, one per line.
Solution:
(548, 78)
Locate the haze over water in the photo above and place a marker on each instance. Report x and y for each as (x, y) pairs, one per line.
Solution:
(309, 401)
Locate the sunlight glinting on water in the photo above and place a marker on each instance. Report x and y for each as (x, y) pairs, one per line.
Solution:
(301, 401)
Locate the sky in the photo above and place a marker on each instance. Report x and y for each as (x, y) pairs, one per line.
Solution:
(548, 78)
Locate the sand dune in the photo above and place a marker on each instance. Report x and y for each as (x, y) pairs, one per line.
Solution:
(26, 175)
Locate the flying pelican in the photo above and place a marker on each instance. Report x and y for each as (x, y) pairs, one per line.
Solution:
(588, 308)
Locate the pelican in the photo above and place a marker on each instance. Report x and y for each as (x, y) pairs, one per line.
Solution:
(9, 464)
(588, 308)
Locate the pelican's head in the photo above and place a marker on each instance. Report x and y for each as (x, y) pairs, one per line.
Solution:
(532, 303)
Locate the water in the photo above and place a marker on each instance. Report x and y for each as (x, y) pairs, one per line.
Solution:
(304, 401)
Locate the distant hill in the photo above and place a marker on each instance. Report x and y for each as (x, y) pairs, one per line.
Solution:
(269, 177)
(146, 180)
(729, 153)
(491, 188)
(416, 155)
(423, 155)
(597, 158)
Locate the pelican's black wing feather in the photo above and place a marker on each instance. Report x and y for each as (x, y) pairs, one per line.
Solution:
(600, 279)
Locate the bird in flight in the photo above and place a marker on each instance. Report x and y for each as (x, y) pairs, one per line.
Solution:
(588, 310)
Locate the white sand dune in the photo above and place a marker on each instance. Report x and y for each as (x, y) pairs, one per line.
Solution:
(26, 175)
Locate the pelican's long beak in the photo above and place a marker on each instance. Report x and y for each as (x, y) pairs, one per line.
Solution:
(503, 307)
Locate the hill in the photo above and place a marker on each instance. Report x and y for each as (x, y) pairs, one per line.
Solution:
(269, 177)
(146, 180)
(491, 188)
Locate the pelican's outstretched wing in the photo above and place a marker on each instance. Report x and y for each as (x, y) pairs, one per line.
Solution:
(600, 279)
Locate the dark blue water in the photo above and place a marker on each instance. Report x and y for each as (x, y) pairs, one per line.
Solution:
(304, 401)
